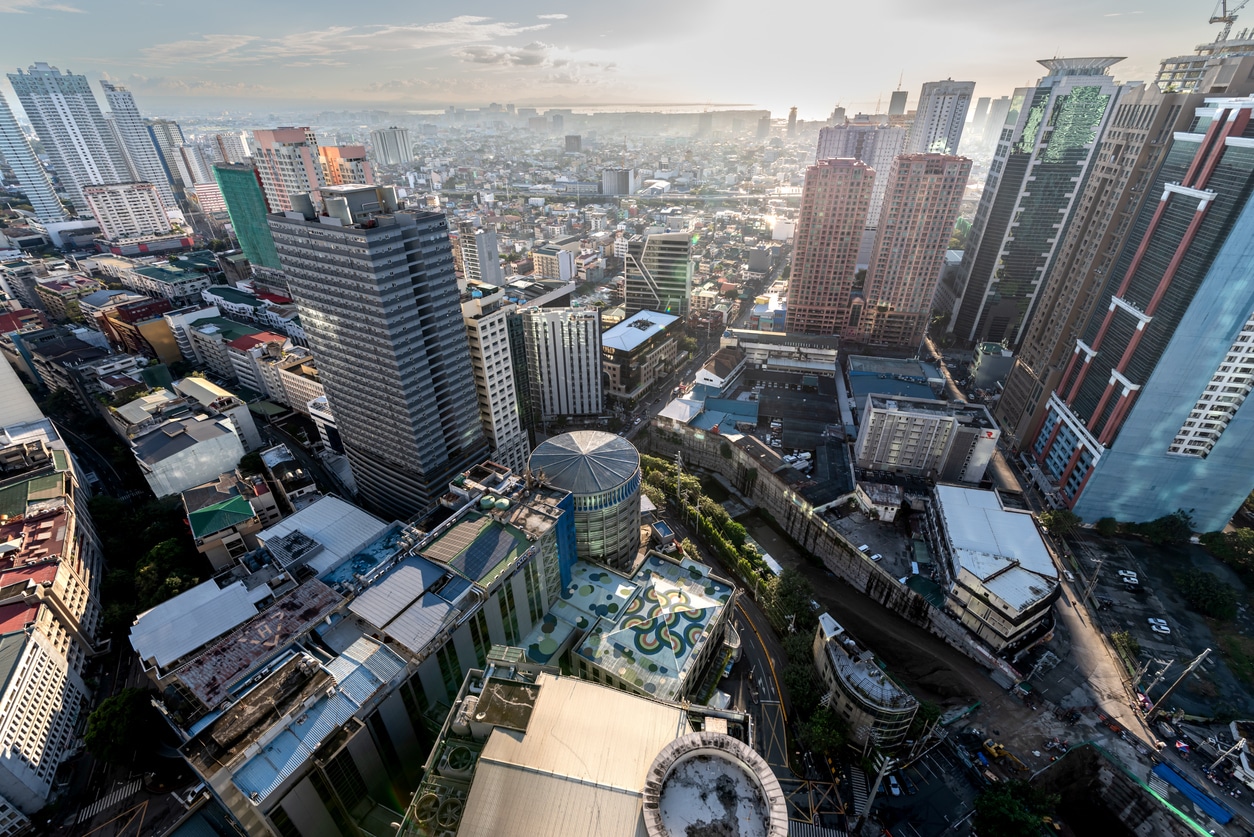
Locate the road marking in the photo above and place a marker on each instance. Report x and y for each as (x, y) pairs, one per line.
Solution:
(125, 792)
(765, 653)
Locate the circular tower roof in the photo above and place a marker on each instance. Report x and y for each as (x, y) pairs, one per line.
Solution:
(586, 461)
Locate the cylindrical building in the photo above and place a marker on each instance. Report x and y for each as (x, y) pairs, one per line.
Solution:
(602, 471)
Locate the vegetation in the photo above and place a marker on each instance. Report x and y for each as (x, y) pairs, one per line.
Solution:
(1061, 522)
(1206, 593)
(120, 729)
(1107, 527)
(1012, 809)
(1128, 647)
(1235, 548)
(1174, 528)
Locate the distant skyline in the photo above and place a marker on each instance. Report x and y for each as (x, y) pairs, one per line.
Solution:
(392, 55)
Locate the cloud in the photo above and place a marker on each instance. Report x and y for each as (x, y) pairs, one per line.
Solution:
(326, 47)
(534, 54)
(194, 87)
(1122, 14)
(19, 7)
(553, 17)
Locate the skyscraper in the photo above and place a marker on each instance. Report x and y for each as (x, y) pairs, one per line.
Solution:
(392, 146)
(246, 207)
(1150, 414)
(1033, 184)
(481, 260)
(834, 202)
(866, 139)
(659, 274)
(31, 177)
(980, 117)
(921, 202)
(897, 103)
(379, 301)
(492, 358)
(564, 361)
(792, 122)
(1131, 150)
(137, 142)
(940, 117)
(78, 140)
(167, 136)
(127, 210)
(345, 165)
(287, 160)
(994, 122)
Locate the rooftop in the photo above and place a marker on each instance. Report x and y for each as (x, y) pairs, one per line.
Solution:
(586, 461)
(477, 546)
(178, 626)
(410, 603)
(177, 435)
(338, 528)
(857, 669)
(214, 518)
(634, 331)
(975, 415)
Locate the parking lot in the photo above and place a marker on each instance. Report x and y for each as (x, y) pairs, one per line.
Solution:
(943, 797)
(888, 540)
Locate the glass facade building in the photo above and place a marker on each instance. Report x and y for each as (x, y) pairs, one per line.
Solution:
(1040, 167)
(659, 274)
(1150, 414)
(246, 206)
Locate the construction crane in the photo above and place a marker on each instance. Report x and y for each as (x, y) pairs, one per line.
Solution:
(1227, 15)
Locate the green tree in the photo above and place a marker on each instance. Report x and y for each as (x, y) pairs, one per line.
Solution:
(824, 731)
(1174, 528)
(804, 687)
(1011, 809)
(1207, 593)
(1235, 548)
(1107, 527)
(927, 714)
(120, 726)
(162, 574)
(1060, 522)
(736, 533)
(792, 597)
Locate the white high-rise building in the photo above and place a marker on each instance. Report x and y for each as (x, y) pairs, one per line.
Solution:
(481, 260)
(564, 360)
(940, 117)
(62, 108)
(32, 179)
(137, 142)
(127, 210)
(392, 146)
(491, 356)
(167, 136)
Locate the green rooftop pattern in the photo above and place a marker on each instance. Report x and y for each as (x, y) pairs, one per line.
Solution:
(219, 516)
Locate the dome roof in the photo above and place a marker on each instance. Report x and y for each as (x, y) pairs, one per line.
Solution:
(586, 461)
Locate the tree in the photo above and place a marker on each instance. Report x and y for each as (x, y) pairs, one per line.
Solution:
(161, 574)
(1060, 522)
(1235, 548)
(736, 533)
(1011, 809)
(804, 687)
(1107, 527)
(120, 726)
(1207, 593)
(824, 731)
(1174, 528)
(792, 597)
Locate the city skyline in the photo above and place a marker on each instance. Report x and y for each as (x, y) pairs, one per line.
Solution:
(389, 55)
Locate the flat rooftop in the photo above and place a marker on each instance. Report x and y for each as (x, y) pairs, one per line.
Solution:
(634, 331)
(974, 415)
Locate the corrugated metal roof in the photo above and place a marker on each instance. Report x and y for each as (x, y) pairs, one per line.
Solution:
(586, 461)
(402, 586)
(420, 622)
(16, 404)
(175, 628)
(339, 526)
(219, 516)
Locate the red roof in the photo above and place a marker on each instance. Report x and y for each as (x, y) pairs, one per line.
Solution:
(259, 339)
(44, 573)
(277, 299)
(16, 616)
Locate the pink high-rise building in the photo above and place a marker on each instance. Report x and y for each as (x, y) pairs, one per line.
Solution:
(922, 197)
(834, 203)
(287, 160)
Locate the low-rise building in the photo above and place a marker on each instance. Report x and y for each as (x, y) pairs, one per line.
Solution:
(95, 304)
(638, 353)
(294, 482)
(999, 577)
(59, 297)
(217, 400)
(179, 454)
(252, 355)
(877, 709)
(140, 327)
(208, 338)
(226, 515)
(950, 441)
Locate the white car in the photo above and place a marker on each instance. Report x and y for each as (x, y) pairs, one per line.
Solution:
(1159, 626)
(876, 557)
(894, 787)
(1067, 574)
(1127, 574)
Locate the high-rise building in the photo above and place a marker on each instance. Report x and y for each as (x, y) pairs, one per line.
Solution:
(563, 361)
(345, 165)
(792, 122)
(1150, 415)
(392, 146)
(77, 138)
(834, 203)
(246, 207)
(481, 261)
(619, 182)
(897, 103)
(167, 136)
(1196, 73)
(32, 179)
(1034, 183)
(287, 160)
(574, 143)
(379, 303)
(492, 359)
(764, 127)
(1131, 150)
(940, 117)
(871, 141)
(127, 210)
(980, 117)
(229, 147)
(659, 274)
(136, 142)
(193, 165)
(921, 203)
(995, 122)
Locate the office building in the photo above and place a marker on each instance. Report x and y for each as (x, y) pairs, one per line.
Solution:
(574, 143)
(78, 140)
(834, 204)
(659, 273)
(897, 103)
(1037, 176)
(602, 473)
(922, 437)
(136, 142)
(627, 765)
(167, 137)
(764, 127)
(940, 117)
(32, 178)
(563, 360)
(998, 576)
(619, 182)
(481, 260)
(127, 211)
(792, 122)
(392, 146)
(1197, 73)
(392, 354)
(638, 354)
(979, 118)
(922, 199)
(487, 316)
(872, 142)
(1150, 414)
(877, 709)
(246, 205)
(1132, 148)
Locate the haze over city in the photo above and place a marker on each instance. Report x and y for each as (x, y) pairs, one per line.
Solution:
(812, 55)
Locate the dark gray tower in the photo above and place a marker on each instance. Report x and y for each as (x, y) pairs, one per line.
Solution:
(379, 301)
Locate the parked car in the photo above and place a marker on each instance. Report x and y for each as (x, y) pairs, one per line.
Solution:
(1126, 574)
(894, 787)
(1070, 576)
(864, 548)
(1159, 626)
(876, 557)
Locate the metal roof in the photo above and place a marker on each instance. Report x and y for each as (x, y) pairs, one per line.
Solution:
(176, 627)
(17, 406)
(586, 461)
(339, 526)
(380, 603)
(632, 332)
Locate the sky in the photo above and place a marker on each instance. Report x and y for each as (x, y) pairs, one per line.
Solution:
(417, 54)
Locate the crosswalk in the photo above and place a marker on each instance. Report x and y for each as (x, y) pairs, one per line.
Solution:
(858, 779)
(121, 794)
